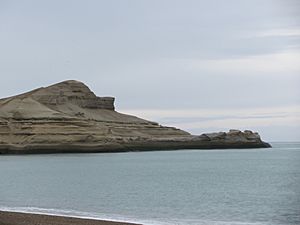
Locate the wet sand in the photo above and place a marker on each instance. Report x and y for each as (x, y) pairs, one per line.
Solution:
(14, 218)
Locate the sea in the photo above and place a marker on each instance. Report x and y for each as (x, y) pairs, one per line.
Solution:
(183, 187)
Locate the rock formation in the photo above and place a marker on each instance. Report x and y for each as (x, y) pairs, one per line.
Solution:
(69, 117)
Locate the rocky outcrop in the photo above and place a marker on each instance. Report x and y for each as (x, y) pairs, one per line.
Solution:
(69, 117)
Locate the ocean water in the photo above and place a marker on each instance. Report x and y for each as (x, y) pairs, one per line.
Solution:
(185, 187)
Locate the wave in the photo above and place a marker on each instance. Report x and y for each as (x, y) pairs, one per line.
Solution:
(118, 218)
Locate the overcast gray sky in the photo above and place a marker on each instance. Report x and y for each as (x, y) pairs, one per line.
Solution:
(198, 65)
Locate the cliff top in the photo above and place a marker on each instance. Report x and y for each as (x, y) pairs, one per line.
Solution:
(67, 99)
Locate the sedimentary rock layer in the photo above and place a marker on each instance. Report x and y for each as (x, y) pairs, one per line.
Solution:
(69, 117)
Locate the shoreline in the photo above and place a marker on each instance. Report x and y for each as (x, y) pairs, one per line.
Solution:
(166, 145)
(21, 218)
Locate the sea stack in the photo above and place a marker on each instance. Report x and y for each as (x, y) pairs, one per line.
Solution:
(68, 117)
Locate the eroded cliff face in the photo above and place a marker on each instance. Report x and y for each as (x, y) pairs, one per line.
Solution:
(72, 92)
(69, 117)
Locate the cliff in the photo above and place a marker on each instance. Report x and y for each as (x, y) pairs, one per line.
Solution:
(69, 117)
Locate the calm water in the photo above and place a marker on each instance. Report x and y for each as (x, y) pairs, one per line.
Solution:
(260, 186)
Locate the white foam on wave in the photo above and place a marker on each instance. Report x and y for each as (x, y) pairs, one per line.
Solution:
(118, 218)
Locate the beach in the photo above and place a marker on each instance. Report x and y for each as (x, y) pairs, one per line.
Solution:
(16, 218)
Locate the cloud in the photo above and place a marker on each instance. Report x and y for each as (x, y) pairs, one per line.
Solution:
(223, 118)
(283, 63)
(291, 32)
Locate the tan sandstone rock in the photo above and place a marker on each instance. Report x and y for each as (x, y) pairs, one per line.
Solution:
(69, 117)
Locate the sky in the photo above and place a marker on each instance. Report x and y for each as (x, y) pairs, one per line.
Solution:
(202, 66)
